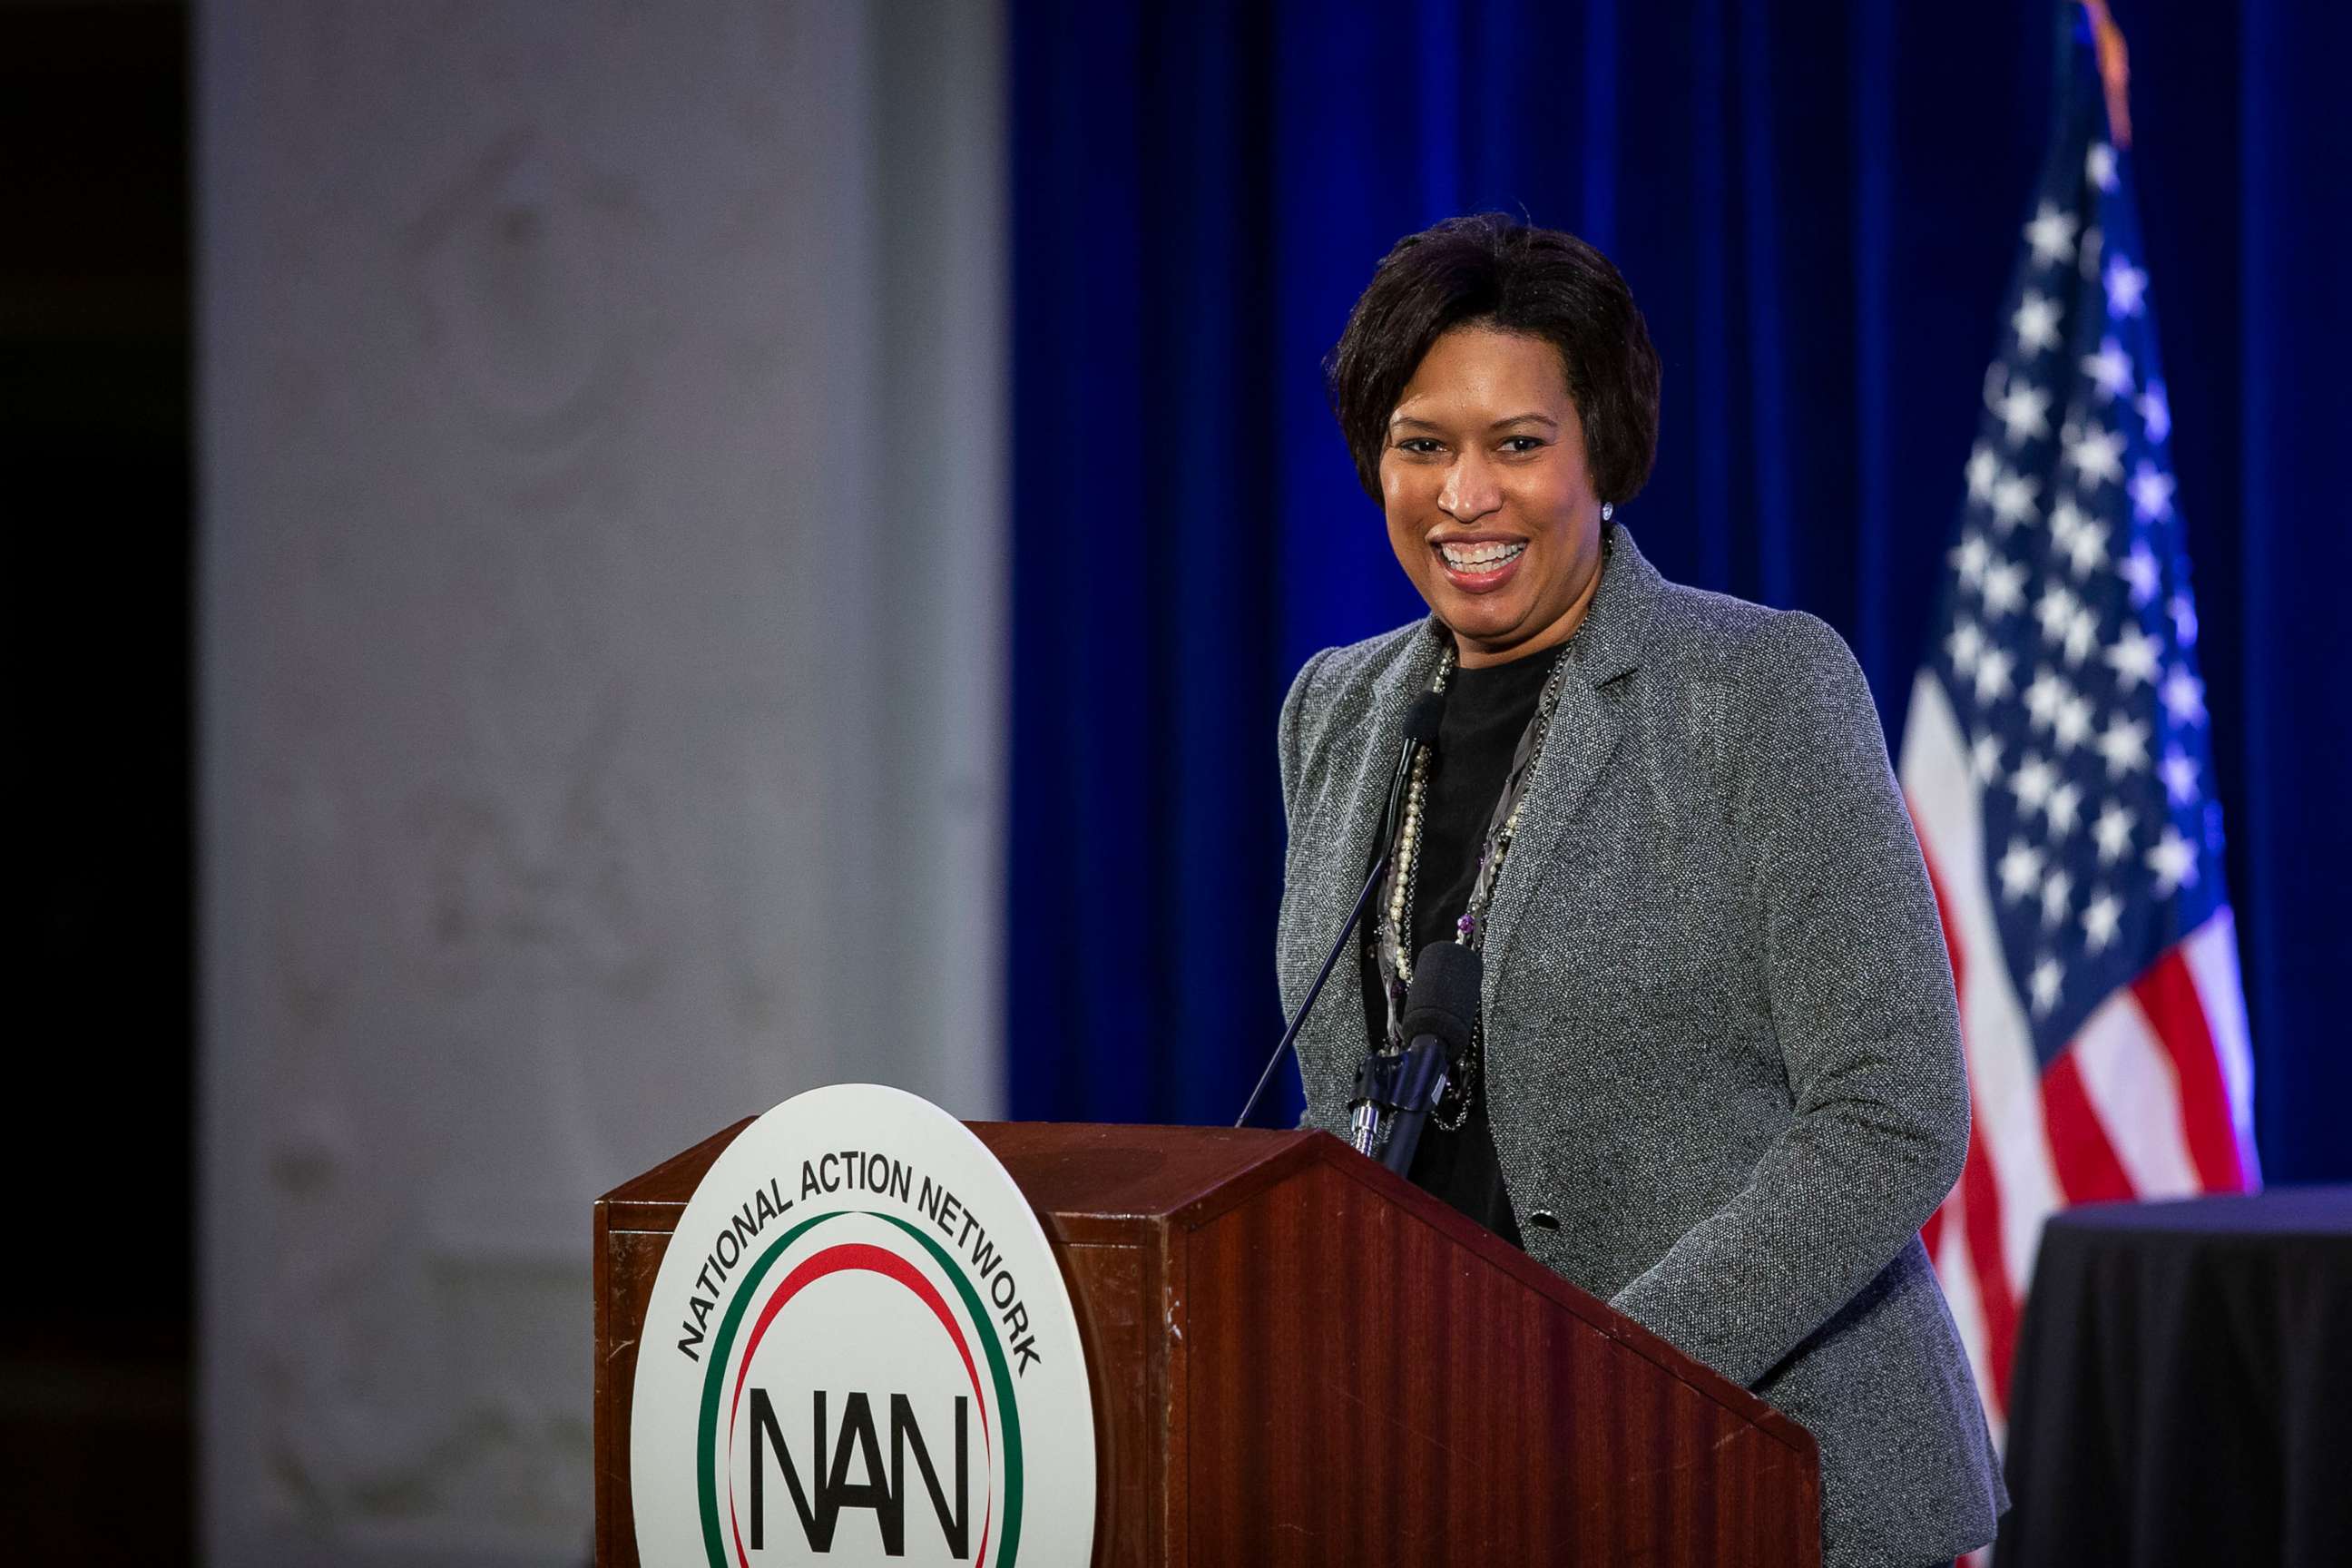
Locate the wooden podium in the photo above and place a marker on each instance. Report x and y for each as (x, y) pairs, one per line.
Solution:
(1298, 1357)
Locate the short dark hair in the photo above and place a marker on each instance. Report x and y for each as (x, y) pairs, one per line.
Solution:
(1495, 270)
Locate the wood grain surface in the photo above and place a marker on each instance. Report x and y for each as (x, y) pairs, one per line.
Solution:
(1298, 1357)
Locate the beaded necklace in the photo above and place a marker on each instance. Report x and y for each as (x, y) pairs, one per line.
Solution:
(1393, 941)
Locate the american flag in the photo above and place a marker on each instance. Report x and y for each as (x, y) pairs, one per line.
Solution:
(2057, 768)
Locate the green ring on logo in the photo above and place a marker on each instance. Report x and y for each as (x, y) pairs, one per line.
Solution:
(723, 1343)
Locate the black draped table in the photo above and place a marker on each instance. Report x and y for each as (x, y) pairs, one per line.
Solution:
(2183, 1386)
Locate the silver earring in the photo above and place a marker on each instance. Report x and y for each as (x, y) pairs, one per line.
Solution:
(1608, 511)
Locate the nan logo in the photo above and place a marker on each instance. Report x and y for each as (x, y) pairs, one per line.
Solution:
(864, 1353)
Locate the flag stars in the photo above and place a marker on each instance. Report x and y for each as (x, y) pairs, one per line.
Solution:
(2057, 893)
(2111, 368)
(2179, 771)
(2032, 783)
(2013, 499)
(2024, 412)
(2124, 744)
(2004, 588)
(1984, 466)
(2086, 548)
(2112, 831)
(2127, 288)
(2151, 492)
(2052, 235)
(2099, 165)
(2019, 869)
(1992, 674)
(1965, 644)
(2102, 918)
(2070, 726)
(2088, 725)
(2036, 321)
(2184, 696)
(2133, 658)
(2082, 634)
(2173, 862)
(2063, 808)
(2054, 610)
(2047, 983)
(2098, 456)
(1971, 558)
(2066, 519)
(2042, 696)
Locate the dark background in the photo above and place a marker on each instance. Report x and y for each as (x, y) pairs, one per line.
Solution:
(96, 1319)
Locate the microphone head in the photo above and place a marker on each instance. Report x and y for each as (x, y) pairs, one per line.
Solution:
(1421, 720)
(1444, 998)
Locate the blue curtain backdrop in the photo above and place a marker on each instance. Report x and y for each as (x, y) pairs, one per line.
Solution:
(1818, 207)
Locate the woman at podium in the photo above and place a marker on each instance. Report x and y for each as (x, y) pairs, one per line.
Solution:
(1715, 1075)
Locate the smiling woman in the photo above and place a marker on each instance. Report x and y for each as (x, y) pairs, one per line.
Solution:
(1500, 396)
(1713, 1075)
(1489, 496)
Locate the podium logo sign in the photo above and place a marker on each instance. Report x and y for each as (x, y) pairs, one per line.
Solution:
(859, 1349)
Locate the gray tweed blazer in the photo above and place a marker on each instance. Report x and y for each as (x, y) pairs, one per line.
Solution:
(1722, 1053)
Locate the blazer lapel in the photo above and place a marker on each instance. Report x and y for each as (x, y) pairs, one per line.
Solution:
(1586, 727)
(1336, 1027)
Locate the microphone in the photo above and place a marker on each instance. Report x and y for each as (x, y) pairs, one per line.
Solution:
(1396, 1090)
(1421, 723)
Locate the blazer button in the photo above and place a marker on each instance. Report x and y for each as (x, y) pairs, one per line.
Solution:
(1545, 1218)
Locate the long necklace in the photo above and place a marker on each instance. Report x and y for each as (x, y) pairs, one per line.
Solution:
(1393, 942)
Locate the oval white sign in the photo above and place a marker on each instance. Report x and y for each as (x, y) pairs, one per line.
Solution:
(859, 1349)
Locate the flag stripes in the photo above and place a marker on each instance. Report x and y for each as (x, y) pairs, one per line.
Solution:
(2060, 777)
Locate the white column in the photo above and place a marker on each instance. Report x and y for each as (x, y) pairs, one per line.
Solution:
(600, 421)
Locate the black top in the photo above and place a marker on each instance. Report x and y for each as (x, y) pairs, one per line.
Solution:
(1487, 711)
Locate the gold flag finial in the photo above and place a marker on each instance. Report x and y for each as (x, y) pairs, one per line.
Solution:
(2115, 69)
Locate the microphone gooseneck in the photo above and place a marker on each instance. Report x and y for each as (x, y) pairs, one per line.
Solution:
(1421, 724)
